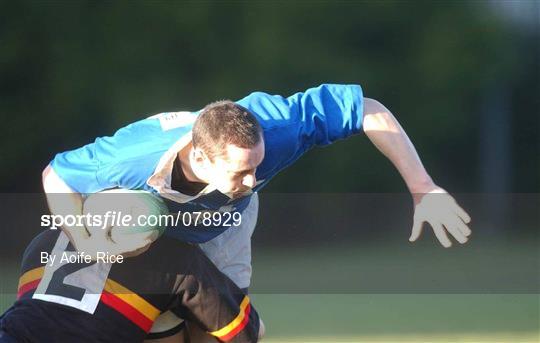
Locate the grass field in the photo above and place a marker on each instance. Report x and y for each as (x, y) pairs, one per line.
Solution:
(399, 318)
(303, 315)
(494, 272)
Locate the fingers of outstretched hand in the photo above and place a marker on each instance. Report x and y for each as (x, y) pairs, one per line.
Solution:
(463, 228)
(456, 222)
(456, 233)
(441, 235)
(460, 212)
(416, 230)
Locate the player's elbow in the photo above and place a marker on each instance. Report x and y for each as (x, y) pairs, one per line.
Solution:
(52, 183)
(44, 175)
(377, 117)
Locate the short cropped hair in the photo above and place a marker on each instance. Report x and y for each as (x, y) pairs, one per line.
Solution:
(225, 122)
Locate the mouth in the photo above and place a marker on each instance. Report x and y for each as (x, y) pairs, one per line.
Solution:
(239, 194)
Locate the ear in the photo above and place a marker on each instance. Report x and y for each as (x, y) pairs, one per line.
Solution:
(199, 156)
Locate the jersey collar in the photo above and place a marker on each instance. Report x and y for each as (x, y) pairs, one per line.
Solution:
(161, 178)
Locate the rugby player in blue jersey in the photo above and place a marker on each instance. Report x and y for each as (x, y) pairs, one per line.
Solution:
(217, 159)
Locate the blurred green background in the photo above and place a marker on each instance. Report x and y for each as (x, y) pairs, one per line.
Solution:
(463, 78)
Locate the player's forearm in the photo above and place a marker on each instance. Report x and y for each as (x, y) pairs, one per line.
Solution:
(63, 200)
(388, 136)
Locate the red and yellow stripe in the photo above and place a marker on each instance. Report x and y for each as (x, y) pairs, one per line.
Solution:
(233, 328)
(29, 281)
(131, 305)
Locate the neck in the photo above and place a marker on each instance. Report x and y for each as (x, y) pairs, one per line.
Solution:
(185, 162)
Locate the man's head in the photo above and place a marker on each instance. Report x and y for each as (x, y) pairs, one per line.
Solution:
(228, 146)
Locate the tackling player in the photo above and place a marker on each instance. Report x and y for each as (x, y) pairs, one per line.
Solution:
(217, 159)
(60, 301)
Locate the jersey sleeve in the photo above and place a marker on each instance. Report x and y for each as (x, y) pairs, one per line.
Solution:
(292, 125)
(318, 116)
(125, 159)
(78, 169)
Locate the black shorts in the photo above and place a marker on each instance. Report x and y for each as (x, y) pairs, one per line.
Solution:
(71, 300)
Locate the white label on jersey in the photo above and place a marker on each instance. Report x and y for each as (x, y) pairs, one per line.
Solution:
(91, 279)
(172, 120)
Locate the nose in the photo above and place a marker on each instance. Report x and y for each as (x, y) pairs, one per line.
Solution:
(249, 180)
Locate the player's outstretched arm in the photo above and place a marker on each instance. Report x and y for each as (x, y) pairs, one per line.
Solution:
(432, 203)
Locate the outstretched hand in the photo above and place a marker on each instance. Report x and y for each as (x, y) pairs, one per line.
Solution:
(440, 210)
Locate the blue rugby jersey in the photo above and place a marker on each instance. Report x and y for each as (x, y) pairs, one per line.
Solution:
(141, 155)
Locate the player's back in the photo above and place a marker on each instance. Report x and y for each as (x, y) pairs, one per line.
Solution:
(70, 300)
(65, 300)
